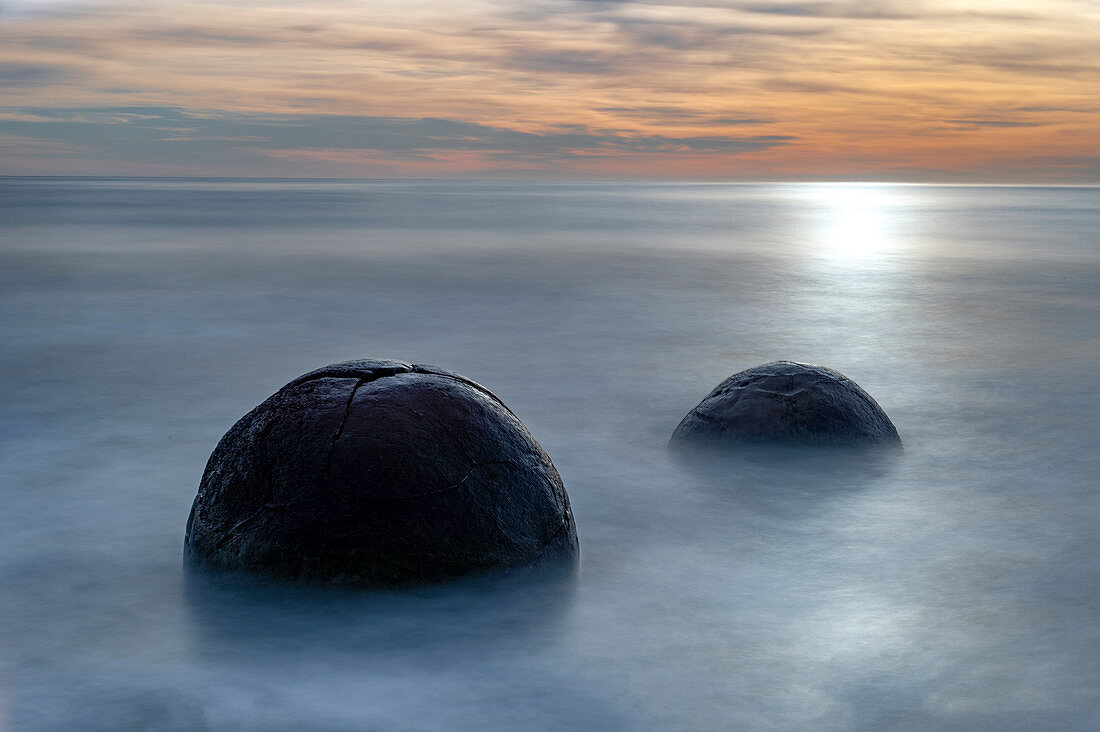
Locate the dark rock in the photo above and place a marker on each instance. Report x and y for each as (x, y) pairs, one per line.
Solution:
(379, 473)
(788, 403)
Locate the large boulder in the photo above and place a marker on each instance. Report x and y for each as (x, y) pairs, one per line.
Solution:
(379, 473)
(788, 403)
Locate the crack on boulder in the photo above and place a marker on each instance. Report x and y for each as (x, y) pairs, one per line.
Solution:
(231, 532)
(433, 371)
(364, 371)
(556, 534)
(776, 392)
(370, 370)
(705, 417)
(340, 429)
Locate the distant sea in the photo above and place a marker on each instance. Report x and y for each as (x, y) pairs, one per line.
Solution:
(956, 587)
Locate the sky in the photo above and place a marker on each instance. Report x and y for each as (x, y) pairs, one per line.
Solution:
(957, 91)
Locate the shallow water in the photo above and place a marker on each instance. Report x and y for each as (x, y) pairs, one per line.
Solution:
(954, 587)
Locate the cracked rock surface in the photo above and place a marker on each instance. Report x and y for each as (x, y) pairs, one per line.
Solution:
(379, 473)
(788, 403)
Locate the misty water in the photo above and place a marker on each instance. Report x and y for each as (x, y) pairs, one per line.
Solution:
(956, 586)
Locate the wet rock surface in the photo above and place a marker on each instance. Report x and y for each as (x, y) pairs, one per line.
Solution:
(379, 473)
(788, 403)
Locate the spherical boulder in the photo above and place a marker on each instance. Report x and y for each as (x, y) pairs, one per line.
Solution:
(379, 473)
(788, 403)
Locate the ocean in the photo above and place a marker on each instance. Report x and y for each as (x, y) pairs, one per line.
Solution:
(955, 586)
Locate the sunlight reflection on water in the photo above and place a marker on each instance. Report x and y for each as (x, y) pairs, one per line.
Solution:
(858, 222)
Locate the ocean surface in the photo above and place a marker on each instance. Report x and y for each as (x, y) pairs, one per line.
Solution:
(955, 587)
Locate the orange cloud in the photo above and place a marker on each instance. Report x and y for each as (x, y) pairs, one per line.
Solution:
(877, 89)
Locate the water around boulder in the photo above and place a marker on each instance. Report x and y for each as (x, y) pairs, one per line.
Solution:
(379, 473)
(787, 403)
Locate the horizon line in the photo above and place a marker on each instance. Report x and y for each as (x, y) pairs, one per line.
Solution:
(556, 181)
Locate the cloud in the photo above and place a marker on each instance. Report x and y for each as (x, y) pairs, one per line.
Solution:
(1048, 110)
(811, 85)
(746, 121)
(1062, 55)
(168, 136)
(26, 146)
(694, 36)
(681, 115)
(570, 61)
(215, 138)
(992, 123)
(650, 111)
(852, 9)
(391, 134)
(29, 8)
(13, 74)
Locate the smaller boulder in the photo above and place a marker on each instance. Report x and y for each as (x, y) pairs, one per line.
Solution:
(788, 403)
